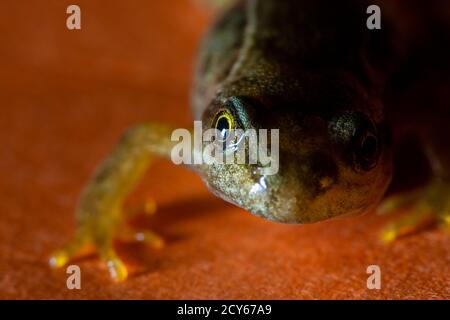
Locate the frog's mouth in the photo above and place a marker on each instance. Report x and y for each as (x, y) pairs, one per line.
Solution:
(297, 197)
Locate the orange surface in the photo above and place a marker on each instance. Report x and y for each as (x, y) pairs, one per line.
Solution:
(65, 98)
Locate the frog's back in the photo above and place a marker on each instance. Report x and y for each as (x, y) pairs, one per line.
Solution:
(310, 41)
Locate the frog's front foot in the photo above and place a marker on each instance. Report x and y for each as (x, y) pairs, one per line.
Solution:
(100, 230)
(101, 219)
(431, 204)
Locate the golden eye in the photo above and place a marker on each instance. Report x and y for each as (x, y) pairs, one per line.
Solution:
(224, 122)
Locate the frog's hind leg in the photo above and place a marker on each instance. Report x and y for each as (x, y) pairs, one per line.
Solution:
(101, 218)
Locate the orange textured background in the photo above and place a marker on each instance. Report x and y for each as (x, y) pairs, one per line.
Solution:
(65, 98)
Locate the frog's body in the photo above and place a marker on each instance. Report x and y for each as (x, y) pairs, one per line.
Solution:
(280, 70)
(314, 71)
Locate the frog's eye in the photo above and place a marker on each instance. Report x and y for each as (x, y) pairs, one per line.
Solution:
(359, 136)
(369, 146)
(366, 150)
(223, 123)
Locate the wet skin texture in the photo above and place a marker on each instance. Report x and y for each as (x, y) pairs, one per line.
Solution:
(341, 96)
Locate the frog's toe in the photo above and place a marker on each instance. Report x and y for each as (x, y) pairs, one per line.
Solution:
(150, 238)
(444, 221)
(117, 269)
(103, 236)
(100, 233)
(147, 207)
(100, 237)
(418, 211)
(62, 256)
(145, 236)
(429, 205)
(419, 215)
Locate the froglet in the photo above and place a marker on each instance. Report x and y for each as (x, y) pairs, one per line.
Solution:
(342, 96)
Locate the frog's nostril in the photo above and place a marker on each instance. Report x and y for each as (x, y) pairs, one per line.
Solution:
(323, 173)
(325, 182)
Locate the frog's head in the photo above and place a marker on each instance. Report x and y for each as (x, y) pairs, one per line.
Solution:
(330, 163)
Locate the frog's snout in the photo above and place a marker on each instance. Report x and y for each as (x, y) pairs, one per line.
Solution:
(340, 170)
(329, 164)
(300, 184)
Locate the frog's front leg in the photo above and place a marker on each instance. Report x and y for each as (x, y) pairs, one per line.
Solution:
(99, 215)
(430, 204)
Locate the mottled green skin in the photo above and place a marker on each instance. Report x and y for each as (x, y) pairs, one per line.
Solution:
(314, 71)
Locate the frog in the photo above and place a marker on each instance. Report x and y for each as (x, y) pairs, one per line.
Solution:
(342, 98)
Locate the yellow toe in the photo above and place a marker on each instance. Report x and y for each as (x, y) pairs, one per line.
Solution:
(58, 259)
(150, 239)
(388, 235)
(117, 270)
